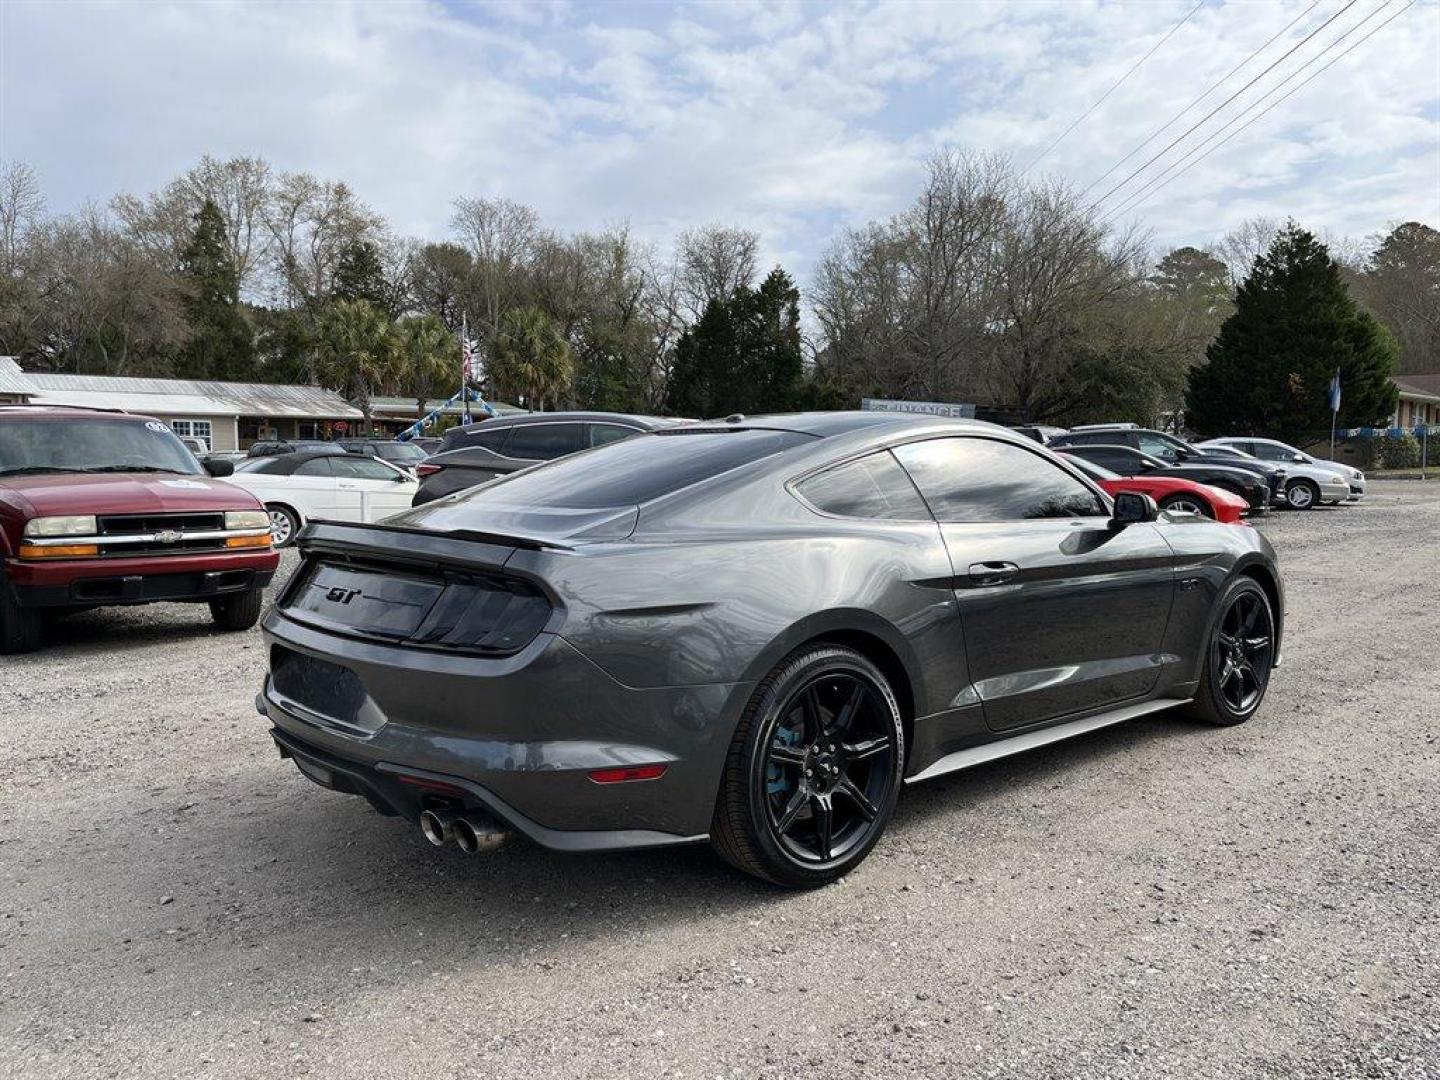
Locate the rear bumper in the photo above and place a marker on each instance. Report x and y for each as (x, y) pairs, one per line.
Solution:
(177, 578)
(519, 734)
(406, 792)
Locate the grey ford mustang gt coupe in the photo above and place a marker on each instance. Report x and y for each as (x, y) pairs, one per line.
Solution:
(752, 631)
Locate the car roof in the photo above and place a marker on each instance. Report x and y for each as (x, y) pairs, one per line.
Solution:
(523, 419)
(827, 424)
(68, 412)
(293, 460)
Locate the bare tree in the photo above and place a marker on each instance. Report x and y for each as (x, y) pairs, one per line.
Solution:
(1242, 245)
(163, 222)
(312, 223)
(501, 236)
(711, 263)
(21, 207)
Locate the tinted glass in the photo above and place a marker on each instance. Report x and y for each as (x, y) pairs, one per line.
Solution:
(972, 479)
(321, 466)
(545, 442)
(600, 434)
(1270, 452)
(1090, 469)
(87, 445)
(361, 468)
(403, 453)
(1118, 459)
(634, 470)
(1157, 446)
(872, 487)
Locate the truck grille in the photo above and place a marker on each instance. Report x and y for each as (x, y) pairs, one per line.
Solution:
(172, 527)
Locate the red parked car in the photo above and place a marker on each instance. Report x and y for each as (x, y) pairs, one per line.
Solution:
(1169, 492)
(101, 508)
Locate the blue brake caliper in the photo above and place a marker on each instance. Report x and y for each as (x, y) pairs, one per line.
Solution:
(776, 781)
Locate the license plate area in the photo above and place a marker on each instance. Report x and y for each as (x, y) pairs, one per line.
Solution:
(328, 693)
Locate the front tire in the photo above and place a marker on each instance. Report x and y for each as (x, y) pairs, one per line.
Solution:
(1239, 656)
(238, 611)
(813, 771)
(1302, 494)
(20, 627)
(1187, 504)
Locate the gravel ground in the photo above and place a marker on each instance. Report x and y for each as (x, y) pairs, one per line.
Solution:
(1156, 899)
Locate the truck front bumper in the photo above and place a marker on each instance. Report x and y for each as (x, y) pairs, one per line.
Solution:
(140, 580)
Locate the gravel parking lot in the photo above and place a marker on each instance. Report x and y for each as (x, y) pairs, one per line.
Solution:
(1156, 899)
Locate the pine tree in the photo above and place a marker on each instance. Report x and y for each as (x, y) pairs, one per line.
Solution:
(359, 275)
(743, 355)
(221, 344)
(1269, 368)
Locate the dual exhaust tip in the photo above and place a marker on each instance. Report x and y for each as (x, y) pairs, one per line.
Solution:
(472, 831)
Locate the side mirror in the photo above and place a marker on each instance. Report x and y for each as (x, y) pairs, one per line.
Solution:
(1300, 459)
(1131, 507)
(218, 467)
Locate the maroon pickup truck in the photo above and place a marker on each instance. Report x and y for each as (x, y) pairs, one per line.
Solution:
(101, 508)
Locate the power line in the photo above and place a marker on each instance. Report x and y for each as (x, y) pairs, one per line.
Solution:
(1213, 87)
(1189, 157)
(1113, 88)
(1184, 135)
(1272, 106)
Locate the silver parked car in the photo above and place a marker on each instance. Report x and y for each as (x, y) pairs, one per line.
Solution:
(1308, 481)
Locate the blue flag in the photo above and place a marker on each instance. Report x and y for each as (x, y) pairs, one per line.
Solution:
(1335, 392)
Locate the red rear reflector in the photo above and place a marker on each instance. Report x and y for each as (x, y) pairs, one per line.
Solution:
(426, 470)
(627, 773)
(432, 785)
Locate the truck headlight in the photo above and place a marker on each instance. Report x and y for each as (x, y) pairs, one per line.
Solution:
(246, 519)
(70, 525)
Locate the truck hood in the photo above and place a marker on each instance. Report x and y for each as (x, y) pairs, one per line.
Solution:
(51, 494)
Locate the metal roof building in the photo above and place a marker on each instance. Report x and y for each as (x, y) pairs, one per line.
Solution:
(226, 416)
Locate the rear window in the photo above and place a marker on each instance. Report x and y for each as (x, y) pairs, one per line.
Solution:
(636, 470)
(545, 442)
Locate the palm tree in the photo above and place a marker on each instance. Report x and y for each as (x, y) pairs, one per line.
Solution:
(530, 359)
(356, 352)
(430, 356)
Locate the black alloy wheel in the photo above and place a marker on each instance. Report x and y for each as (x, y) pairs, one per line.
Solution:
(1240, 656)
(815, 770)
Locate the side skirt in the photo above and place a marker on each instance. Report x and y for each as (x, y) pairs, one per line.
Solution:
(1030, 740)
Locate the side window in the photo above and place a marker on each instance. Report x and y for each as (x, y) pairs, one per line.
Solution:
(978, 479)
(600, 434)
(545, 442)
(1158, 447)
(356, 467)
(1267, 451)
(319, 466)
(870, 487)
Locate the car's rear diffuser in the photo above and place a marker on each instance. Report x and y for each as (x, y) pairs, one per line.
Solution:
(1030, 740)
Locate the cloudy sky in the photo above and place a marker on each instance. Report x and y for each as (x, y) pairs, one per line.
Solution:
(796, 119)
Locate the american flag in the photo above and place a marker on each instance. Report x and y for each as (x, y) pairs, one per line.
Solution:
(467, 354)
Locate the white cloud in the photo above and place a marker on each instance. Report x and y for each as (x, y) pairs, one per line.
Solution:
(793, 118)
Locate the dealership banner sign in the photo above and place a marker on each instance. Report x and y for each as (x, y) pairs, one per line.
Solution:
(925, 408)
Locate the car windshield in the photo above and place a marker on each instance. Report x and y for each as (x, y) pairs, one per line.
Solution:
(86, 444)
(636, 470)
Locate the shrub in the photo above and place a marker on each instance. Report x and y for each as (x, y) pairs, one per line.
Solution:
(1399, 453)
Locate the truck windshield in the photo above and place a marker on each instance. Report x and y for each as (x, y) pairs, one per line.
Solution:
(85, 444)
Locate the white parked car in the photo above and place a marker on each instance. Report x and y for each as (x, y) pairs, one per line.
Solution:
(1307, 481)
(302, 487)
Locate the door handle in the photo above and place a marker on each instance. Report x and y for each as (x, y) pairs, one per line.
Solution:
(992, 573)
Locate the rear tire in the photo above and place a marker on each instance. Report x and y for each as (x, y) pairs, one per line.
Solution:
(813, 771)
(19, 626)
(238, 611)
(1239, 655)
(1302, 494)
(1187, 504)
